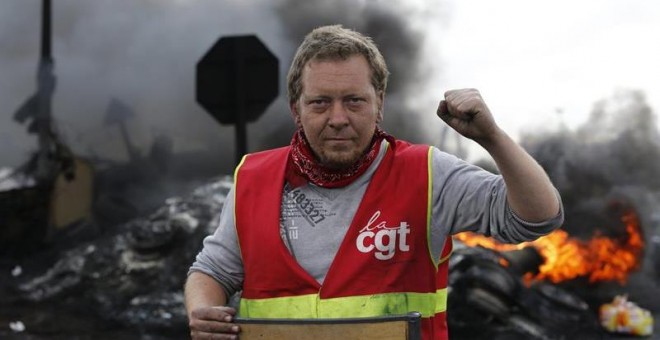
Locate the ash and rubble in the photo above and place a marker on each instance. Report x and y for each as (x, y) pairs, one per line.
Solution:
(11, 179)
(129, 278)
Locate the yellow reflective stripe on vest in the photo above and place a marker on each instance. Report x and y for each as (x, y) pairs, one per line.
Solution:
(311, 306)
(429, 204)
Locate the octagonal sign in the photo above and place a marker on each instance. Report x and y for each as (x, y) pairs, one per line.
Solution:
(237, 79)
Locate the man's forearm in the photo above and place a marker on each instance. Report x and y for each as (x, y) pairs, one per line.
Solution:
(530, 193)
(202, 290)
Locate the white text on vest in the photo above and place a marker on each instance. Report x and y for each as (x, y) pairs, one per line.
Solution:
(382, 238)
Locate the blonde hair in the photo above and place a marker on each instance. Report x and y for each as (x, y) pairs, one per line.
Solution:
(336, 43)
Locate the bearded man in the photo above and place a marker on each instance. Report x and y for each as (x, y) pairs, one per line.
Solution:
(348, 221)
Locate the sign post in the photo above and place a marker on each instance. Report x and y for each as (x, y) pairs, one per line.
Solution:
(237, 79)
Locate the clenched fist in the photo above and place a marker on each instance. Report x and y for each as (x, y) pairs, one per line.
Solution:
(466, 112)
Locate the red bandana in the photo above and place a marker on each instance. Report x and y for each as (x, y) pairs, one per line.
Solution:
(302, 166)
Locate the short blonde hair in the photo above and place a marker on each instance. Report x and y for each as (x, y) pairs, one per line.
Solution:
(336, 43)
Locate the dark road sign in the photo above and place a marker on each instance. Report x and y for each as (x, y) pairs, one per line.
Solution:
(237, 79)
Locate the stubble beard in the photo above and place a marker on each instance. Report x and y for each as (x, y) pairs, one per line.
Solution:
(339, 159)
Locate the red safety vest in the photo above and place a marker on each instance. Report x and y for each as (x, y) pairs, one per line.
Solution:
(383, 266)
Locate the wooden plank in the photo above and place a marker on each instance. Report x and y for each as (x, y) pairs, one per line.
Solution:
(391, 330)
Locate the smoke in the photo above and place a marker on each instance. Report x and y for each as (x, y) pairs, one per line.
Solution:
(615, 154)
(144, 53)
(141, 52)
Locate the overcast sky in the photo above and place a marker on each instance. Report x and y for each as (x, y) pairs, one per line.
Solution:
(533, 59)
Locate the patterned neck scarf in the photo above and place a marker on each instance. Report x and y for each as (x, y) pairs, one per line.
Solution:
(302, 166)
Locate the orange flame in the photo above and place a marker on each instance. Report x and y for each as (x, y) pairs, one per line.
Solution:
(565, 258)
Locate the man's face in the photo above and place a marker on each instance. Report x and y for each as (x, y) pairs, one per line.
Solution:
(338, 109)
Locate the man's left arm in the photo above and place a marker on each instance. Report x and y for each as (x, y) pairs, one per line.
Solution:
(530, 194)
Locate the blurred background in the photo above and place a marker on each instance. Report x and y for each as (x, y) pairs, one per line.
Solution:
(108, 162)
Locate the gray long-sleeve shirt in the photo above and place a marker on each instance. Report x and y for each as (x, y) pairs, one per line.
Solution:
(314, 220)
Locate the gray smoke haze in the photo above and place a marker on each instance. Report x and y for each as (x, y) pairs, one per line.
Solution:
(141, 52)
(614, 155)
(618, 145)
(144, 53)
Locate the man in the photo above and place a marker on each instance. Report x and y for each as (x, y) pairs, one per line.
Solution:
(348, 221)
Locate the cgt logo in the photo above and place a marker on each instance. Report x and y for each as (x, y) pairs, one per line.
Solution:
(385, 240)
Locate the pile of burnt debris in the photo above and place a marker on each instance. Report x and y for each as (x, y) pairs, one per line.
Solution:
(127, 283)
(489, 299)
(127, 280)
